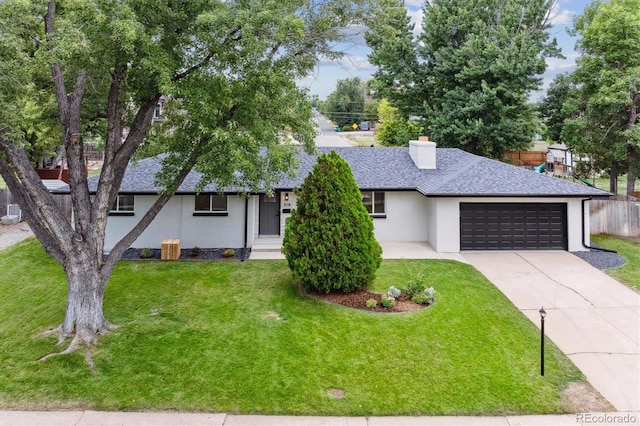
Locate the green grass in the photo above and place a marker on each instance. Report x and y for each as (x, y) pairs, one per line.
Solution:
(627, 273)
(238, 337)
(3, 185)
(362, 141)
(603, 183)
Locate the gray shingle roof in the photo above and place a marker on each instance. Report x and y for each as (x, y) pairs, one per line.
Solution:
(458, 173)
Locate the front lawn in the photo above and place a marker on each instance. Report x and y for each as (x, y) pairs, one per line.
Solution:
(239, 338)
(630, 250)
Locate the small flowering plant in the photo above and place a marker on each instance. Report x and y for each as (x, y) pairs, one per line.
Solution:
(387, 300)
(394, 292)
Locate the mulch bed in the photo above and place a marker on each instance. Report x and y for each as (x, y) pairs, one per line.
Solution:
(358, 300)
(185, 254)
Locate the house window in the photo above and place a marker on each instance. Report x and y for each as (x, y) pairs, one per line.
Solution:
(210, 205)
(374, 203)
(124, 205)
(158, 112)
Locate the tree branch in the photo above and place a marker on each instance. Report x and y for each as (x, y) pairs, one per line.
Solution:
(40, 210)
(127, 240)
(205, 61)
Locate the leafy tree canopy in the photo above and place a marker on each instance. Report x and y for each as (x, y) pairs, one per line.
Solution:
(345, 105)
(469, 73)
(228, 69)
(395, 130)
(604, 114)
(551, 107)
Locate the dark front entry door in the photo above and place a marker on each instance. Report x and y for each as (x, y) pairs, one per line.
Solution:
(270, 215)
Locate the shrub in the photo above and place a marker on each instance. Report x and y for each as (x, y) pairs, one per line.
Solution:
(328, 241)
(430, 293)
(387, 300)
(371, 303)
(195, 252)
(424, 297)
(229, 253)
(420, 298)
(347, 128)
(146, 253)
(414, 287)
(394, 291)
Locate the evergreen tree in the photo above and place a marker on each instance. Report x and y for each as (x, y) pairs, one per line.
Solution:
(552, 110)
(470, 73)
(329, 241)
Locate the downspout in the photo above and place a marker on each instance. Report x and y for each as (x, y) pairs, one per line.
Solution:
(583, 232)
(246, 226)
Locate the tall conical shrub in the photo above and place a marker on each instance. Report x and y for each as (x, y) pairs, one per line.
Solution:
(329, 241)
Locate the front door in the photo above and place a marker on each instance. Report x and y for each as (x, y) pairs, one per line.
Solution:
(270, 215)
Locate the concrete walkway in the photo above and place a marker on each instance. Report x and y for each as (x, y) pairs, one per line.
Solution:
(91, 418)
(269, 248)
(12, 234)
(591, 317)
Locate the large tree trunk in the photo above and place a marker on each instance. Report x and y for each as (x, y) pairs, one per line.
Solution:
(613, 178)
(84, 318)
(632, 152)
(631, 169)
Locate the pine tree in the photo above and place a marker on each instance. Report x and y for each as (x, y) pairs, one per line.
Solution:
(329, 241)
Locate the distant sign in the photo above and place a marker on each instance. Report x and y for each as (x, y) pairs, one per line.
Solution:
(355, 126)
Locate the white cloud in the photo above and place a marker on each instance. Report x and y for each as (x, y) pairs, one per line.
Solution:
(557, 65)
(414, 3)
(416, 19)
(560, 16)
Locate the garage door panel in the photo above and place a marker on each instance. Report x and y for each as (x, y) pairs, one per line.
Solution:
(513, 226)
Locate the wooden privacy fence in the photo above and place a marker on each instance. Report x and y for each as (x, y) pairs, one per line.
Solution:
(62, 200)
(526, 158)
(615, 217)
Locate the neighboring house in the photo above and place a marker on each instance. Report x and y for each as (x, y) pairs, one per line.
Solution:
(447, 197)
(560, 160)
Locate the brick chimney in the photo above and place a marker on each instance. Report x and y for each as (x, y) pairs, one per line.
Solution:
(423, 153)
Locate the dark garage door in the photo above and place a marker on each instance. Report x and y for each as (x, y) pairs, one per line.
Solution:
(513, 226)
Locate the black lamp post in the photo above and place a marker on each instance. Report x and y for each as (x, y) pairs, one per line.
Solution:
(542, 315)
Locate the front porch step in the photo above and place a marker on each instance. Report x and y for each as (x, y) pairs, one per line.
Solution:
(267, 245)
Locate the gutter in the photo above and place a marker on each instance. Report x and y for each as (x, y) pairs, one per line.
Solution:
(246, 225)
(583, 232)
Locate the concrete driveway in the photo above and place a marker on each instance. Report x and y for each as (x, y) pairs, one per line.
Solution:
(591, 317)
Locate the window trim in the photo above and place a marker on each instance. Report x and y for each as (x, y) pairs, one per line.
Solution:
(211, 212)
(374, 214)
(118, 212)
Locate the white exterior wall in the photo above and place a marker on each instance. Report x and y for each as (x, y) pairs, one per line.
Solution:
(406, 217)
(444, 225)
(176, 220)
(447, 218)
(286, 204)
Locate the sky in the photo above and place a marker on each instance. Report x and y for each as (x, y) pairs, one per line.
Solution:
(355, 63)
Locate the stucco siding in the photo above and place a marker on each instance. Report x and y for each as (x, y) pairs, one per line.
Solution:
(406, 217)
(176, 220)
(446, 223)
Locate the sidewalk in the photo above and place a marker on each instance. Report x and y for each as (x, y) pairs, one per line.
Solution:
(92, 418)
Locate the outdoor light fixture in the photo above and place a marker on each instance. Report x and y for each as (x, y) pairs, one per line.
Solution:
(543, 314)
(286, 196)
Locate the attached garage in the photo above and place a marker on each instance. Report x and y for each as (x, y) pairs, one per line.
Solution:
(513, 226)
